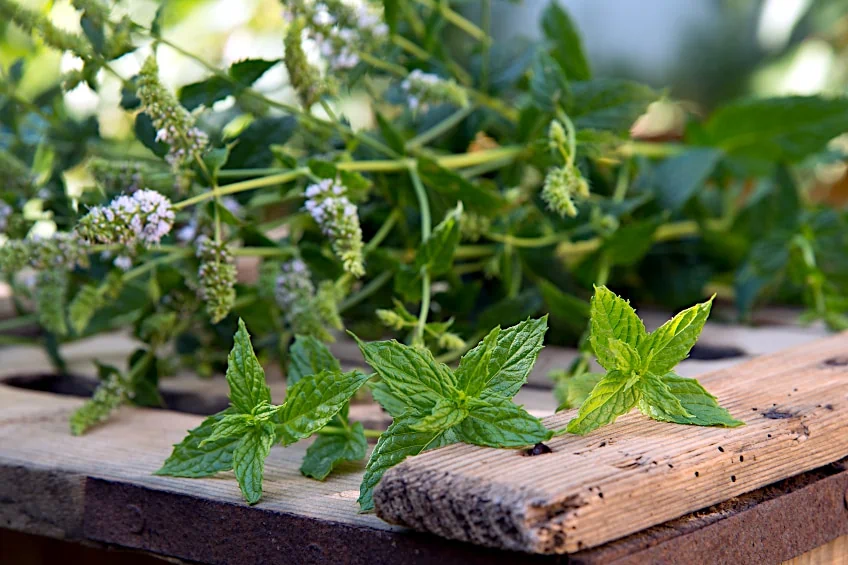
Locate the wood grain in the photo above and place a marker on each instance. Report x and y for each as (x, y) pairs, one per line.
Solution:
(636, 473)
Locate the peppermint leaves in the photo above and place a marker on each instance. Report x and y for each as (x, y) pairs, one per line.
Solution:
(240, 437)
(639, 368)
(434, 406)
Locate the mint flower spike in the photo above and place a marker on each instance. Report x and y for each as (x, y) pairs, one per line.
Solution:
(340, 30)
(142, 219)
(337, 216)
(175, 125)
(426, 88)
(216, 278)
(306, 311)
(62, 251)
(35, 22)
(562, 185)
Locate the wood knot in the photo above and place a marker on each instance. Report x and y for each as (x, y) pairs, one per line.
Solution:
(838, 361)
(538, 449)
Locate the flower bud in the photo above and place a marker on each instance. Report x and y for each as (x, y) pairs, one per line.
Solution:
(391, 319)
(562, 184)
(174, 124)
(329, 206)
(424, 89)
(216, 278)
(556, 135)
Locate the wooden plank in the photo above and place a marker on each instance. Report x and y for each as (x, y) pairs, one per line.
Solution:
(833, 553)
(98, 488)
(636, 473)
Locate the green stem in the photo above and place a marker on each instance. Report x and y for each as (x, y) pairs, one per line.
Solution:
(456, 19)
(367, 290)
(152, 264)
(264, 251)
(448, 123)
(230, 173)
(382, 233)
(426, 223)
(336, 431)
(243, 186)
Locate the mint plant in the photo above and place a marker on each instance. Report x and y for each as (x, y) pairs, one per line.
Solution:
(240, 437)
(640, 367)
(484, 184)
(433, 406)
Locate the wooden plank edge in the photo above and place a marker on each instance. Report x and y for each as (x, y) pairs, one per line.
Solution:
(769, 525)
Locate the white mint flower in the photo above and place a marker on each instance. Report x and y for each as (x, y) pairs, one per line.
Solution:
(336, 215)
(422, 89)
(123, 262)
(143, 218)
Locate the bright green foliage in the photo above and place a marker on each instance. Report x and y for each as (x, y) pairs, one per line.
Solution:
(434, 406)
(240, 437)
(639, 368)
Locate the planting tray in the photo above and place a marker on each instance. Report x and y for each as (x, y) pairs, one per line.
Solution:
(637, 491)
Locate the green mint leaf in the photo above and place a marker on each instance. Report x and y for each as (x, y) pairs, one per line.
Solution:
(500, 423)
(625, 355)
(703, 407)
(612, 397)
(499, 365)
(436, 254)
(409, 373)
(328, 451)
(444, 415)
(655, 393)
(249, 460)
(385, 398)
(573, 391)
(567, 46)
(397, 443)
(309, 356)
(669, 344)
(230, 426)
(313, 401)
(245, 375)
(612, 317)
(189, 459)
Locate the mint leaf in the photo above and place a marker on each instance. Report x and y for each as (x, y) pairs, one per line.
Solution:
(634, 361)
(500, 423)
(245, 375)
(436, 254)
(189, 459)
(567, 45)
(328, 451)
(669, 344)
(313, 401)
(703, 407)
(397, 443)
(385, 398)
(309, 356)
(409, 373)
(573, 391)
(230, 426)
(625, 355)
(249, 460)
(499, 365)
(444, 415)
(611, 398)
(612, 318)
(655, 393)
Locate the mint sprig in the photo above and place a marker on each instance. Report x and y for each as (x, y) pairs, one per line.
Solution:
(639, 368)
(433, 406)
(240, 437)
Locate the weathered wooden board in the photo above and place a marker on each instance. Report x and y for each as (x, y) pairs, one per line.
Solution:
(636, 473)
